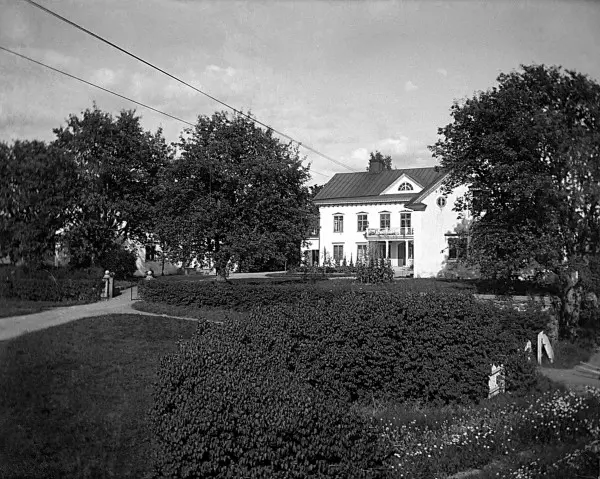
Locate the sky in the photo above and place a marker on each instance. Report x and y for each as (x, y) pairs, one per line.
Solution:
(343, 77)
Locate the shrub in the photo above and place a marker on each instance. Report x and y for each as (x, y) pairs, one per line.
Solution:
(240, 296)
(52, 290)
(375, 271)
(223, 408)
(434, 347)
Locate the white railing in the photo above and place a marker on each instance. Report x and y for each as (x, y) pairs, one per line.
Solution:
(401, 231)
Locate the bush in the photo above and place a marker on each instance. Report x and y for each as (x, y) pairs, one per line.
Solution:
(432, 347)
(276, 394)
(239, 296)
(374, 272)
(223, 408)
(86, 290)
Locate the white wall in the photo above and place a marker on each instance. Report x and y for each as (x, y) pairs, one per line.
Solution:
(430, 227)
(351, 237)
(431, 248)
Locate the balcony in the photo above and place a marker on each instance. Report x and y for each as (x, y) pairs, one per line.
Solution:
(390, 233)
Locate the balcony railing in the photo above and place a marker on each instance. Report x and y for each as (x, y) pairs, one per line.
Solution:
(401, 232)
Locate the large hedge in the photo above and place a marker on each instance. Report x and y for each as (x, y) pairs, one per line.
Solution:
(225, 410)
(272, 395)
(244, 295)
(240, 296)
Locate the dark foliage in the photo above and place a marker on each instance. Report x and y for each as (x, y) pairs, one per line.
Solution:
(375, 271)
(119, 261)
(272, 394)
(240, 296)
(224, 408)
(87, 290)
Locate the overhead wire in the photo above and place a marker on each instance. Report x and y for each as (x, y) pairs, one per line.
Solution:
(151, 65)
(62, 72)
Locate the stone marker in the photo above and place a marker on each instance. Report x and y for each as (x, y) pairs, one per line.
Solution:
(544, 344)
(497, 380)
(109, 285)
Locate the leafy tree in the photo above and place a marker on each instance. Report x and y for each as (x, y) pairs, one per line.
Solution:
(37, 185)
(119, 165)
(529, 151)
(386, 160)
(236, 194)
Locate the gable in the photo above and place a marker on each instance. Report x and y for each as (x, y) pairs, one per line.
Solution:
(403, 185)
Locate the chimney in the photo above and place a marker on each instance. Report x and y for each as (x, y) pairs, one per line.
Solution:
(376, 165)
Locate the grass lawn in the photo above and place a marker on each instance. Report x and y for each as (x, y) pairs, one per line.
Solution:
(19, 307)
(74, 398)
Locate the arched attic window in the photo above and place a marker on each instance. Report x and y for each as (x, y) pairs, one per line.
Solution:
(405, 186)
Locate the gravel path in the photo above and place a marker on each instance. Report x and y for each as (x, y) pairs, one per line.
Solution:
(572, 378)
(14, 326)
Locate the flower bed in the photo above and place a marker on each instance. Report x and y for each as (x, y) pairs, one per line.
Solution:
(548, 435)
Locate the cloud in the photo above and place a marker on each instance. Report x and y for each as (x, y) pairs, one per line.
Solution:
(410, 86)
(393, 146)
(104, 77)
(442, 71)
(360, 154)
(226, 72)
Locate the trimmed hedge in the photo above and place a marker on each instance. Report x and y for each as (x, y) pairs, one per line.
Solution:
(225, 410)
(244, 295)
(87, 290)
(273, 395)
(432, 347)
(239, 296)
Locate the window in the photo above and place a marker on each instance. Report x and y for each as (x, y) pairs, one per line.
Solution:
(362, 222)
(405, 220)
(361, 252)
(405, 186)
(441, 201)
(314, 231)
(384, 220)
(338, 223)
(457, 247)
(338, 252)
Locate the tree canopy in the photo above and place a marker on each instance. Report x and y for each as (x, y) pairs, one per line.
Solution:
(236, 194)
(119, 165)
(37, 185)
(529, 151)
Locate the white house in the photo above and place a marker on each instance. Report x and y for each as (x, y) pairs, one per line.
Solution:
(401, 215)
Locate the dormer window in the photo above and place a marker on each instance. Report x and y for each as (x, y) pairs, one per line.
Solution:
(405, 186)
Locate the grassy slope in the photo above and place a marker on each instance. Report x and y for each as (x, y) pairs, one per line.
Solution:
(74, 398)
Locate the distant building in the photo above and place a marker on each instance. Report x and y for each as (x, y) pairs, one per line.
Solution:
(400, 215)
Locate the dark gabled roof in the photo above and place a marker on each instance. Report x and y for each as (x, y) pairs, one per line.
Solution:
(366, 187)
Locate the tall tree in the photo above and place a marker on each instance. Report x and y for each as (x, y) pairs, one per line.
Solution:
(236, 194)
(529, 150)
(37, 186)
(119, 165)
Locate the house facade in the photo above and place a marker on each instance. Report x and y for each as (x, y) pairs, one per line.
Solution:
(401, 215)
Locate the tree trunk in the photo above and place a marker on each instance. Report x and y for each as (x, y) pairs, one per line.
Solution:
(571, 296)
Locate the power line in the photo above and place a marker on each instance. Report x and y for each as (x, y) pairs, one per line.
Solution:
(239, 112)
(111, 92)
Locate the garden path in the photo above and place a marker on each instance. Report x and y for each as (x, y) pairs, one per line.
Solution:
(14, 326)
(572, 378)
